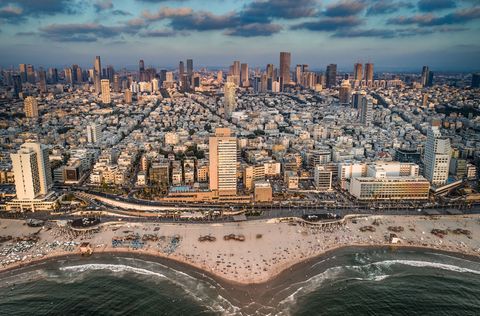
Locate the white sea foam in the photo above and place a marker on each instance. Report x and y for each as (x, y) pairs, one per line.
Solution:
(375, 271)
(373, 278)
(313, 283)
(322, 261)
(190, 285)
(426, 264)
(111, 267)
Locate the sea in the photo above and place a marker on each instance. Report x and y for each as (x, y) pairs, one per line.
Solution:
(348, 281)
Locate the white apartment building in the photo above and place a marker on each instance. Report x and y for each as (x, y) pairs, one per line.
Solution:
(437, 157)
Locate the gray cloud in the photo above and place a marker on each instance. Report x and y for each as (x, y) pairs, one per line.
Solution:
(44, 7)
(345, 8)
(25, 33)
(160, 33)
(167, 12)
(329, 24)
(393, 33)
(121, 13)
(102, 5)
(387, 7)
(254, 29)
(434, 5)
(11, 14)
(456, 17)
(84, 32)
(262, 11)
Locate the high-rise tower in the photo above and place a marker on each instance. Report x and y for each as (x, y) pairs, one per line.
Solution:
(244, 75)
(357, 72)
(285, 59)
(425, 75)
(331, 75)
(190, 67)
(223, 162)
(42, 81)
(369, 74)
(105, 85)
(437, 156)
(31, 107)
(229, 96)
(31, 169)
(97, 74)
(366, 111)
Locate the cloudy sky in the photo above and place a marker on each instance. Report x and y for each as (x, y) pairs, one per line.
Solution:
(394, 34)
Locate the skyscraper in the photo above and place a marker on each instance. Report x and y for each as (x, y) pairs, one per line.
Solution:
(68, 75)
(30, 74)
(358, 72)
(42, 81)
(331, 75)
(181, 70)
(110, 73)
(185, 83)
(270, 71)
(94, 133)
(425, 76)
(244, 75)
(116, 83)
(155, 85)
(344, 93)
(23, 72)
(437, 156)
(229, 97)
(357, 98)
(97, 75)
(369, 74)
(298, 74)
(263, 83)
(223, 162)
(78, 75)
(128, 96)
(105, 85)
(366, 111)
(235, 73)
(53, 75)
(141, 70)
(285, 59)
(74, 73)
(31, 107)
(31, 169)
(190, 67)
(17, 85)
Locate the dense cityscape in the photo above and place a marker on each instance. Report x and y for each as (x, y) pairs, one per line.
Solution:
(234, 158)
(239, 136)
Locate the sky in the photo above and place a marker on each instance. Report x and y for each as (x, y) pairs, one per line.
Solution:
(396, 35)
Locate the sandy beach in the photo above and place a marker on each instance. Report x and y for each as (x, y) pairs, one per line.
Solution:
(253, 252)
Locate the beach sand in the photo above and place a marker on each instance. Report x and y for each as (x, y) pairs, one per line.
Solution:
(269, 246)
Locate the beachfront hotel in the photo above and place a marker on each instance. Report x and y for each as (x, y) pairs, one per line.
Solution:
(390, 188)
(223, 162)
(33, 179)
(437, 156)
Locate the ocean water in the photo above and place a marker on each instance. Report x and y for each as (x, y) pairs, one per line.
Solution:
(350, 281)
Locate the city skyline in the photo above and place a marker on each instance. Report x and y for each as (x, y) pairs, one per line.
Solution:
(395, 35)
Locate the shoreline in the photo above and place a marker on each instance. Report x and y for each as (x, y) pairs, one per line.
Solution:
(284, 246)
(172, 260)
(249, 297)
